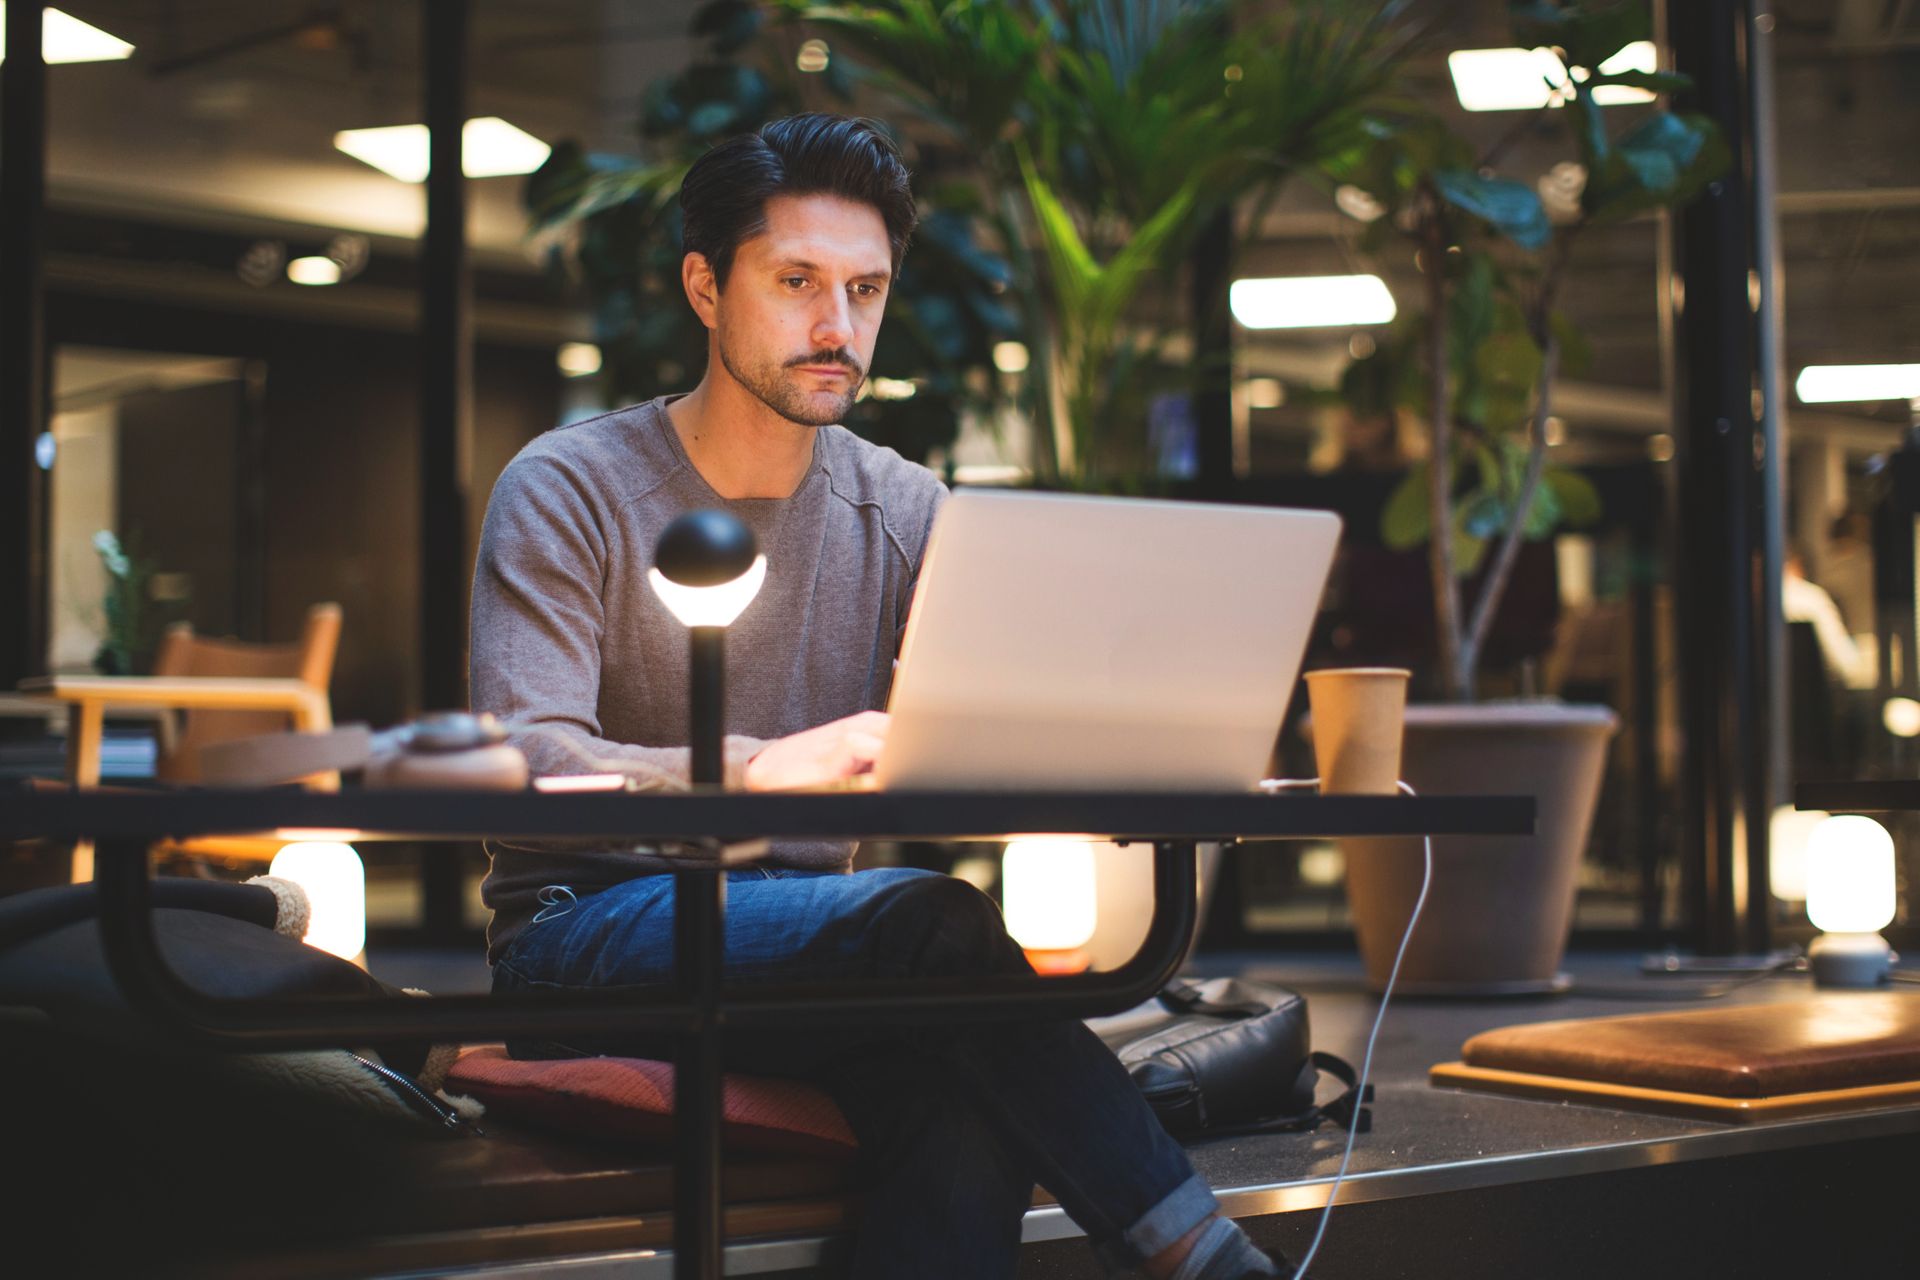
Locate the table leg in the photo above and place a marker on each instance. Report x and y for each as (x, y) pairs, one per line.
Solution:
(84, 727)
(699, 917)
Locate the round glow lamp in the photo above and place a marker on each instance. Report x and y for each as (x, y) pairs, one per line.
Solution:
(1850, 898)
(335, 881)
(1049, 897)
(707, 570)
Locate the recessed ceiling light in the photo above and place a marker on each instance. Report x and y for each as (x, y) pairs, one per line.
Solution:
(1306, 302)
(813, 56)
(64, 38)
(1525, 79)
(489, 148)
(315, 270)
(1827, 383)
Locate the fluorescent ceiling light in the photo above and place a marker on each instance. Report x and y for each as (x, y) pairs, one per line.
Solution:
(1305, 302)
(64, 38)
(489, 148)
(1827, 383)
(1525, 79)
(314, 270)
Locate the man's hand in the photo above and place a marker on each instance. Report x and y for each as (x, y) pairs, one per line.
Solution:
(836, 750)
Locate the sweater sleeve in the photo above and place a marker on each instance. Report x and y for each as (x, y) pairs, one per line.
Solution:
(537, 620)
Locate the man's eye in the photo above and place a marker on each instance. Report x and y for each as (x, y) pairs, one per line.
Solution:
(793, 282)
(867, 290)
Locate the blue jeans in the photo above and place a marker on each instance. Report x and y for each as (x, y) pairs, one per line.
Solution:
(955, 1124)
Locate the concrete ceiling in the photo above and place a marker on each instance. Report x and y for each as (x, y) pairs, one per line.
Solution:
(226, 113)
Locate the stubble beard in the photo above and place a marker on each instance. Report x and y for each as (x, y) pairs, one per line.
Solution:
(774, 386)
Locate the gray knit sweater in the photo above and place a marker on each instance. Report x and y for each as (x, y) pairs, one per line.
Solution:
(572, 646)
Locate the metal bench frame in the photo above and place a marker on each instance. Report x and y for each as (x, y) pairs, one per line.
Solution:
(697, 1007)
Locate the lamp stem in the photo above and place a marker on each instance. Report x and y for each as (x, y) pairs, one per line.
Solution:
(708, 704)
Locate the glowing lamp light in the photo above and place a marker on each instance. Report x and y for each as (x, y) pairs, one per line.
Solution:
(1265, 393)
(1527, 79)
(489, 148)
(1831, 383)
(1047, 893)
(315, 270)
(1901, 716)
(1010, 357)
(1850, 898)
(64, 38)
(1788, 836)
(1306, 302)
(336, 886)
(578, 359)
(714, 606)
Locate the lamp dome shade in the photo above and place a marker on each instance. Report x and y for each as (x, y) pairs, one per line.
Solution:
(704, 549)
(1851, 885)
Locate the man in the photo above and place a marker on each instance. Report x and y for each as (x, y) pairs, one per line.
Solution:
(793, 237)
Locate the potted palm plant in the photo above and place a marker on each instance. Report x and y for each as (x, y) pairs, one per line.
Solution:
(1107, 135)
(1479, 365)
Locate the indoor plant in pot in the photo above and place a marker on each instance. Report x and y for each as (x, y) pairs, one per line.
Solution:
(1479, 365)
(1108, 136)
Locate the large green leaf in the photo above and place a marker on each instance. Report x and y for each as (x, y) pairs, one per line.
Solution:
(1579, 500)
(1407, 520)
(1663, 162)
(1589, 33)
(1513, 208)
(1651, 81)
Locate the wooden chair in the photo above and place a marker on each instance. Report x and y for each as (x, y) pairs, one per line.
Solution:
(182, 653)
(223, 689)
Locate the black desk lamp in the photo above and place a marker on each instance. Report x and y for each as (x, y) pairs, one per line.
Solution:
(706, 570)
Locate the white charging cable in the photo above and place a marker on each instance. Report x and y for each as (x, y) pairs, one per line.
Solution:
(1366, 1060)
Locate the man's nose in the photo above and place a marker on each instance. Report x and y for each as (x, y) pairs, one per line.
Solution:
(833, 324)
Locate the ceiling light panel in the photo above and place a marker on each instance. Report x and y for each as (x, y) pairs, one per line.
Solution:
(1834, 383)
(1307, 302)
(1527, 79)
(64, 38)
(489, 148)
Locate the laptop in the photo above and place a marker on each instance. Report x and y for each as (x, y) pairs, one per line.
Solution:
(1082, 643)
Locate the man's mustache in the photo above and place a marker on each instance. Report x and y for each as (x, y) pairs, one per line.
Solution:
(841, 357)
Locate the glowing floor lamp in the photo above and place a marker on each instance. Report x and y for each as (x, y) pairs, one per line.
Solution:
(1049, 896)
(336, 885)
(707, 569)
(1850, 898)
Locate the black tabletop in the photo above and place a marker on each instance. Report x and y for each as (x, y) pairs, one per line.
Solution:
(103, 815)
(1871, 795)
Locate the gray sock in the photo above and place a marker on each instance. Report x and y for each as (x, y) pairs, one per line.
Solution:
(1223, 1252)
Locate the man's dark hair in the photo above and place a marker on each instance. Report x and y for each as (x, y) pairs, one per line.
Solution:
(723, 200)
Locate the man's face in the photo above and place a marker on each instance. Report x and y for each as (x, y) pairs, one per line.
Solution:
(797, 320)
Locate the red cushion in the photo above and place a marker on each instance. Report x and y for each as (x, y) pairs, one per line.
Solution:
(631, 1100)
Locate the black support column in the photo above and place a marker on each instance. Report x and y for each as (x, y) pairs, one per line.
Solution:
(446, 419)
(446, 366)
(23, 183)
(1722, 561)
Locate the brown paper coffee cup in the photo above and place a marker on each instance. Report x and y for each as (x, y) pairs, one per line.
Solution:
(1358, 715)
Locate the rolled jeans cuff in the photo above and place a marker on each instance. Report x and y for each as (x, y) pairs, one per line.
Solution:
(1185, 1207)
